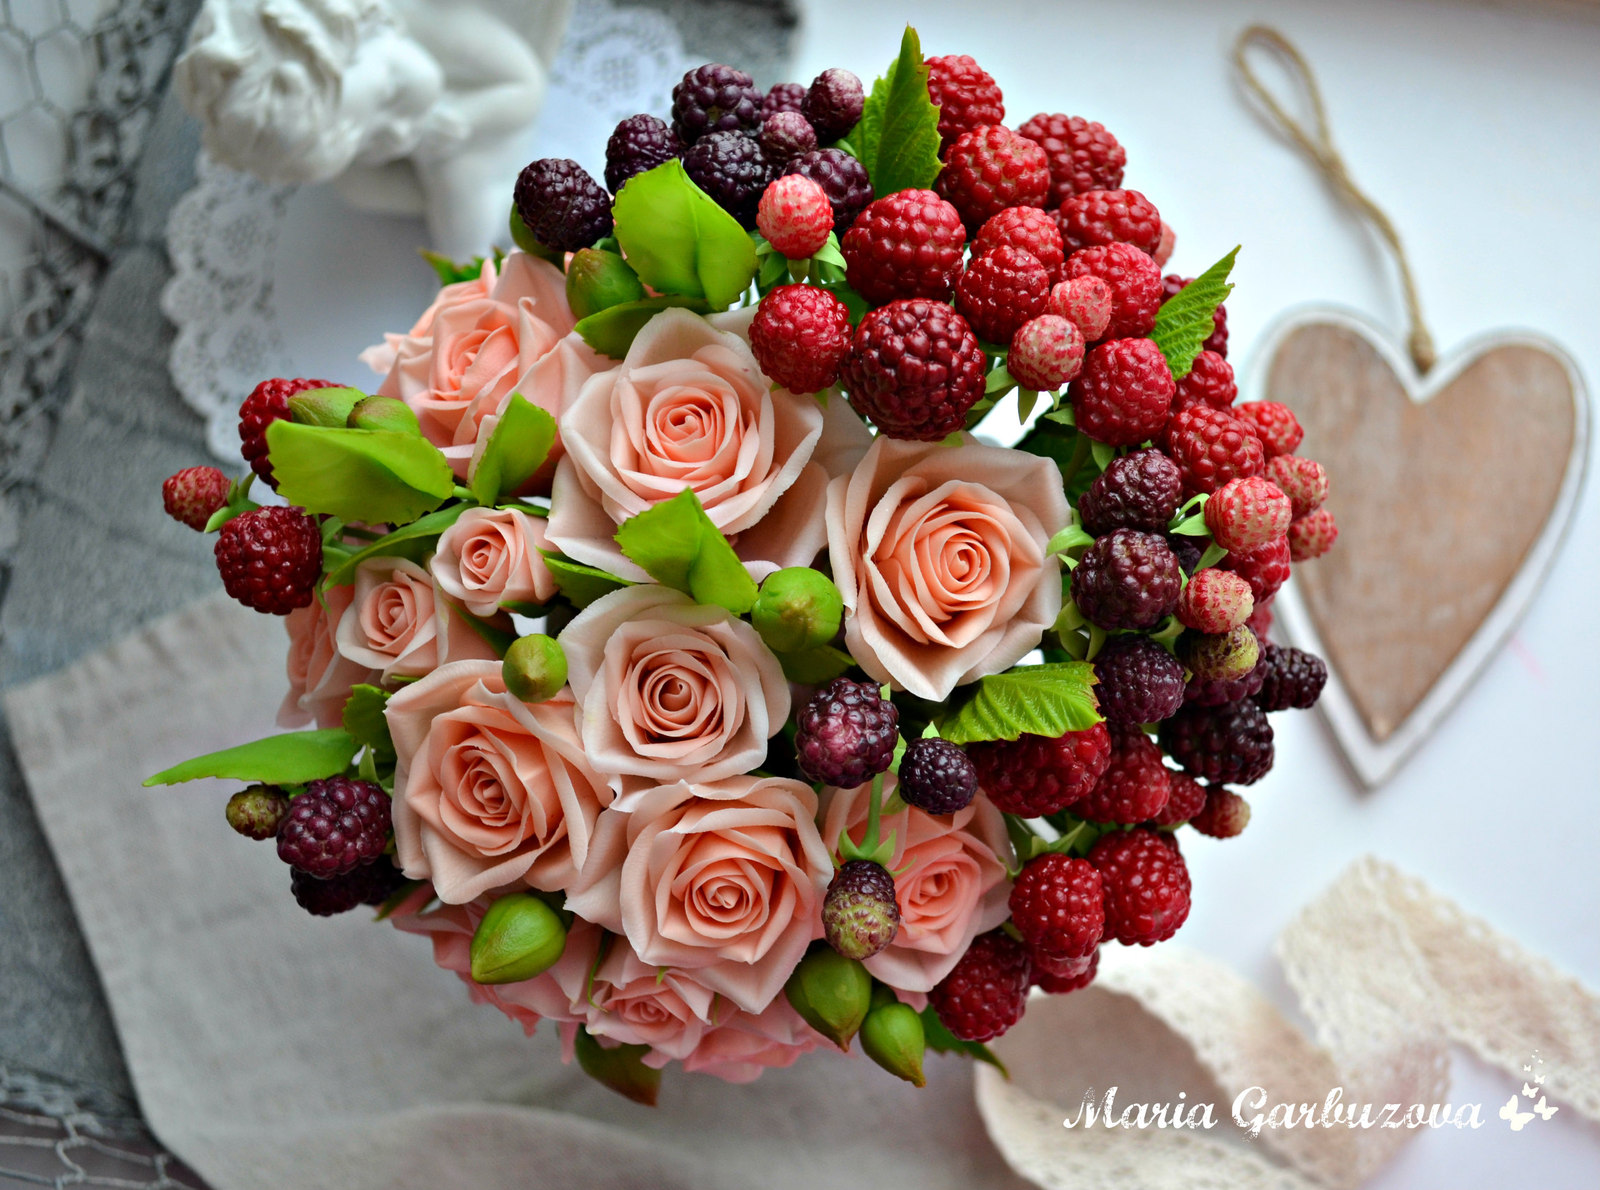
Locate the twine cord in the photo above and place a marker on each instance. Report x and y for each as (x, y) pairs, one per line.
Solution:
(1318, 145)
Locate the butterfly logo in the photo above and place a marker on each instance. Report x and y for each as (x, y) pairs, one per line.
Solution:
(1542, 1107)
(1517, 1119)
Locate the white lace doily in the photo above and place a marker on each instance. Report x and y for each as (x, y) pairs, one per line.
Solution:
(223, 236)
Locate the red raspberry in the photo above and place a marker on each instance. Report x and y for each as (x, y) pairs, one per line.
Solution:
(268, 402)
(1135, 285)
(1225, 814)
(795, 216)
(1124, 393)
(1164, 249)
(1146, 883)
(1035, 775)
(903, 246)
(1086, 302)
(1312, 535)
(193, 494)
(991, 168)
(1001, 291)
(1083, 155)
(1260, 621)
(1057, 907)
(987, 990)
(1134, 786)
(1218, 339)
(1211, 447)
(1215, 601)
(966, 96)
(270, 559)
(915, 368)
(1185, 798)
(799, 336)
(334, 827)
(1028, 228)
(1209, 382)
(1110, 217)
(1058, 977)
(1265, 568)
(1274, 424)
(1046, 353)
(1304, 481)
(1244, 514)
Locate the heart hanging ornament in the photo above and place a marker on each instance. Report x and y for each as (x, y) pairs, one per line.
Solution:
(1401, 429)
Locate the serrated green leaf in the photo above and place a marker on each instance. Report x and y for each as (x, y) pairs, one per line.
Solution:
(813, 667)
(1047, 700)
(363, 719)
(1183, 323)
(517, 447)
(611, 331)
(679, 241)
(941, 1040)
(579, 583)
(414, 541)
(373, 476)
(898, 136)
(289, 759)
(678, 546)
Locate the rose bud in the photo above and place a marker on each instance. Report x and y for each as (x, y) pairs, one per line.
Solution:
(324, 406)
(383, 413)
(892, 1036)
(831, 993)
(620, 1067)
(598, 280)
(256, 812)
(797, 608)
(860, 915)
(1221, 657)
(535, 668)
(518, 938)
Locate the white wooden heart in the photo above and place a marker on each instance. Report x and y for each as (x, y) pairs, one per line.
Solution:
(1452, 492)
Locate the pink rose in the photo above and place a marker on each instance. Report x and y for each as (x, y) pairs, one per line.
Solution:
(320, 677)
(400, 624)
(489, 790)
(381, 357)
(724, 880)
(491, 556)
(671, 690)
(746, 1043)
(690, 408)
(632, 1002)
(939, 553)
(951, 881)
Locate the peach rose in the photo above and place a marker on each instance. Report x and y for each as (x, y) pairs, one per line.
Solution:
(671, 690)
(690, 408)
(939, 553)
(320, 677)
(401, 625)
(491, 556)
(488, 790)
(951, 881)
(381, 356)
(745, 1043)
(723, 879)
(632, 1002)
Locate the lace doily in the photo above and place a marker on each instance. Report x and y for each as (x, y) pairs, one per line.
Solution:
(223, 235)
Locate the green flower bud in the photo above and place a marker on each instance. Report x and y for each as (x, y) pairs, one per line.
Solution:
(324, 406)
(534, 668)
(598, 280)
(518, 938)
(522, 237)
(256, 812)
(892, 1036)
(797, 608)
(383, 413)
(1220, 658)
(831, 993)
(621, 1068)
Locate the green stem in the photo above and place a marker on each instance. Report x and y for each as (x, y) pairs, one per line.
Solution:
(874, 815)
(1080, 452)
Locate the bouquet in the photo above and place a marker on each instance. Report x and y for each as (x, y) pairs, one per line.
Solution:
(672, 650)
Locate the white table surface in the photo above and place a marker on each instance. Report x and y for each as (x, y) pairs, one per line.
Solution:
(1479, 131)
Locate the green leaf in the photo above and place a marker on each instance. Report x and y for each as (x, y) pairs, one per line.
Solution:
(1102, 453)
(612, 331)
(416, 539)
(363, 719)
(1214, 554)
(1027, 398)
(830, 252)
(374, 476)
(517, 447)
(579, 583)
(678, 546)
(774, 271)
(813, 667)
(1184, 321)
(1047, 700)
(1191, 526)
(898, 136)
(679, 241)
(448, 271)
(941, 1040)
(1069, 538)
(289, 759)
(999, 380)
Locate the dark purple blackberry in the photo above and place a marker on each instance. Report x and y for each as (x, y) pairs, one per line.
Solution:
(337, 824)
(730, 167)
(639, 143)
(1137, 491)
(714, 98)
(783, 97)
(1230, 744)
(786, 135)
(937, 776)
(1216, 694)
(1290, 678)
(1138, 681)
(833, 103)
(370, 884)
(565, 209)
(846, 734)
(1187, 550)
(860, 915)
(842, 178)
(1127, 579)
(256, 812)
